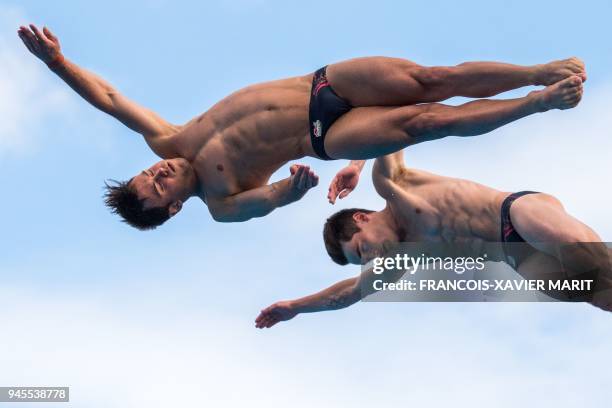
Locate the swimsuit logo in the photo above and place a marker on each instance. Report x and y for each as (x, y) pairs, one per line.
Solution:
(317, 128)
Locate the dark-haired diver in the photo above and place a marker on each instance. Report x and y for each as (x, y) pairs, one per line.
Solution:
(428, 208)
(357, 109)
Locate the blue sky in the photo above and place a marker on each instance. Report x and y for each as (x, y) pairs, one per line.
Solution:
(166, 317)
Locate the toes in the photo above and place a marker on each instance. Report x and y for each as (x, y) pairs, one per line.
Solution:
(575, 80)
(571, 82)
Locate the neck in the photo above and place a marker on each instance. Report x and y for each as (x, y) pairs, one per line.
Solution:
(386, 219)
(194, 189)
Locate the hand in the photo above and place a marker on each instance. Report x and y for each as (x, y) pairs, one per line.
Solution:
(278, 312)
(345, 181)
(43, 44)
(302, 179)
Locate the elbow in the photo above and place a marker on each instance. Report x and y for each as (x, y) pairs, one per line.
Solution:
(222, 217)
(227, 217)
(109, 99)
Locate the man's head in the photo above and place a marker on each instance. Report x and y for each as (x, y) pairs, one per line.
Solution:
(153, 196)
(356, 235)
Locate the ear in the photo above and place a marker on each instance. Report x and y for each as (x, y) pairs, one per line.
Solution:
(175, 207)
(361, 217)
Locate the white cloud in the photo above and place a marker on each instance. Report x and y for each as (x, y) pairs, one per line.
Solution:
(156, 354)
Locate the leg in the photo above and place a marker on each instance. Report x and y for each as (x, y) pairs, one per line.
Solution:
(365, 133)
(543, 222)
(382, 81)
(541, 266)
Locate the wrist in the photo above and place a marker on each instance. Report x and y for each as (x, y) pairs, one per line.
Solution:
(357, 163)
(294, 306)
(56, 62)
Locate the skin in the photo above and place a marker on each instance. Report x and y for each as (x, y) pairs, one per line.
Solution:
(235, 146)
(425, 207)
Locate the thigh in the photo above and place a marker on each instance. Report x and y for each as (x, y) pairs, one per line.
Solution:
(544, 267)
(543, 222)
(367, 133)
(376, 81)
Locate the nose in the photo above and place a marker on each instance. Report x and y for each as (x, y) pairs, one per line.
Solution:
(160, 173)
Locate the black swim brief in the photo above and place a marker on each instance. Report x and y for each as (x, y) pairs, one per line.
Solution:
(515, 254)
(325, 107)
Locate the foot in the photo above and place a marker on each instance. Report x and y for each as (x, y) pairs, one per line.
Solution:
(564, 94)
(555, 71)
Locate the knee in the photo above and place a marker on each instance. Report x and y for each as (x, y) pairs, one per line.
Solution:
(431, 122)
(433, 76)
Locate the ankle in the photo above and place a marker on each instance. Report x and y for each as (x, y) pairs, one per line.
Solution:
(535, 74)
(537, 101)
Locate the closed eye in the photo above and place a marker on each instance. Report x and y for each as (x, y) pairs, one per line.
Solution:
(157, 188)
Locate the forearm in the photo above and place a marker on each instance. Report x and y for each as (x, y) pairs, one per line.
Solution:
(278, 195)
(88, 85)
(358, 163)
(342, 294)
(281, 193)
(255, 203)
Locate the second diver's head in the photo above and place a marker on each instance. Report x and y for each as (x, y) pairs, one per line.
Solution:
(357, 236)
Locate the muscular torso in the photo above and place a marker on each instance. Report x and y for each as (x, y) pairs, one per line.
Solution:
(433, 208)
(237, 144)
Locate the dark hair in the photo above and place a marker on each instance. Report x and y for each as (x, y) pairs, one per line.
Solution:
(122, 199)
(339, 228)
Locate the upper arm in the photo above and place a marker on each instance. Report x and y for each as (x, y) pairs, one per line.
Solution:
(385, 170)
(388, 165)
(136, 117)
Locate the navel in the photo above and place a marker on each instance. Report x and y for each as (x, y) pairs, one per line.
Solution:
(220, 167)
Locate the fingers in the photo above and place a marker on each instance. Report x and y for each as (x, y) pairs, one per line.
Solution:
(311, 179)
(345, 192)
(261, 320)
(303, 177)
(40, 36)
(332, 192)
(298, 177)
(266, 320)
(50, 35)
(25, 40)
(29, 39)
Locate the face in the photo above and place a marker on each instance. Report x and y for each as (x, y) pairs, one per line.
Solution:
(168, 182)
(368, 243)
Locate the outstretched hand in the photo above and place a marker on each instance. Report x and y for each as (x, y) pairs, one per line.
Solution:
(345, 181)
(43, 44)
(278, 312)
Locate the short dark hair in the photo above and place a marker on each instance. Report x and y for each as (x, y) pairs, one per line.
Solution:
(122, 199)
(339, 228)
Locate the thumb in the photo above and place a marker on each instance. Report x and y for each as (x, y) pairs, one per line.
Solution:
(293, 169)
(49, 34)
(345, 192)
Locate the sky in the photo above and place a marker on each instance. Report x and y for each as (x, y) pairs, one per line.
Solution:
(165, 318)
